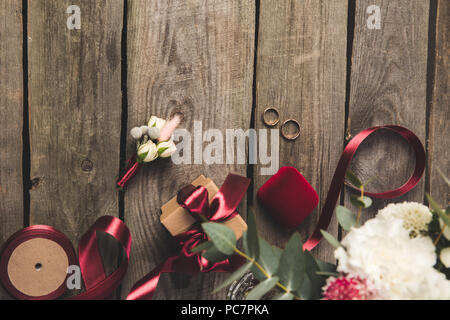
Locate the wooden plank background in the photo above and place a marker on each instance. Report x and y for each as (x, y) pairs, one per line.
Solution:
(69, 97)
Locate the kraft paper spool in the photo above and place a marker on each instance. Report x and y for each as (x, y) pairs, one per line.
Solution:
(34, 261)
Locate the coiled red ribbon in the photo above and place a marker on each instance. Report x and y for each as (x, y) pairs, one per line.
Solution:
(343, 164)
(195, 201)
(98, 285)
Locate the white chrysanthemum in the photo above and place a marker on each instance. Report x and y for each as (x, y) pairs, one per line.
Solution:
(401, 267)
(415, 215)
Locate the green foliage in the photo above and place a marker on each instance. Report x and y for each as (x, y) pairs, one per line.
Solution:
(234, 276)
(345, 218)
(332, 240)
(202, 246)
(262, 288)
(223, 237)
(269, 260)
(284, 296)
(292, 264)
(354, 180)
(251, 237)
(140, 158)
(290, 272)
(436, 208)
(361, 202)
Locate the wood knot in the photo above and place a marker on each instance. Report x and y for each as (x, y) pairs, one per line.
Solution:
(87, 165)
(34, 183)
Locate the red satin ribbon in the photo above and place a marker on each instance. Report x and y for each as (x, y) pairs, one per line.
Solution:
(195, 201)
(344, 162)
(131, 170)
(98, 285)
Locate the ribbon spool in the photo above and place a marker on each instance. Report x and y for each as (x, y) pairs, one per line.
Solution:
(34, 262)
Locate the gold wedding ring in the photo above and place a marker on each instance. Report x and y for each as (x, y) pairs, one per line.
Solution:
(290, 136)
(273, 122)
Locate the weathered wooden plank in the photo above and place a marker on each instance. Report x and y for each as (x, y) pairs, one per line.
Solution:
(439, 128)
(301, 69)
(11, 120)
(388, 86)
(196, 56)
(75, 113)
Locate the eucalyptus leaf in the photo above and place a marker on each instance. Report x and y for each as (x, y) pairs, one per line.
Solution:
(359, 202)
(332, 240)
(345, 218)
(284, 296)
(213, 255)
(435, 206)
(326, 266)
(292, 264)
(202, 246)
(223, 237)
(316, 282)
(369, 181)
(251, 237)
(269, 259)
(234, 276)
(262, 288)
(327, 273)
(305, 290)
(354, 180)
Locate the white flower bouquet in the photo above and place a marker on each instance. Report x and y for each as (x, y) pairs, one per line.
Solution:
(402, 253)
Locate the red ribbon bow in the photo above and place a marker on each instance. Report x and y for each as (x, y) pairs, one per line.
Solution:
(195, 201)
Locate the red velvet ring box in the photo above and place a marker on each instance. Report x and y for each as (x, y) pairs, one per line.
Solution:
(288, 197)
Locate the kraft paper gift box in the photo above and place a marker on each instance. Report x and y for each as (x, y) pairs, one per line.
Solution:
(178, 220)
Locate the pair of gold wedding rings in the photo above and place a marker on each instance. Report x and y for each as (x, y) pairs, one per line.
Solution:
(283, 128)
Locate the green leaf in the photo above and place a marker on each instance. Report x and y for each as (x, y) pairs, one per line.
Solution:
(292, 264)
(305, 290)
(251, 237)
(327, 273)
(365, 202)
(345, 218)
(262, 288)
(326, 266)
(371, 179)
(234, 276)
(332, 240)
(284, 296)
(214, 255)
(223, 237)
(141, 157)
(316, 282)
(447, 181)
(160, 151)
(438, 210)
(354, 180)
(269, 259)
(202, 246)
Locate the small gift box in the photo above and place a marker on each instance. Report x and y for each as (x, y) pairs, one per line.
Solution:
(178, 220)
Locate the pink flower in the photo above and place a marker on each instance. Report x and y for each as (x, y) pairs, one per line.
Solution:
(346, 287)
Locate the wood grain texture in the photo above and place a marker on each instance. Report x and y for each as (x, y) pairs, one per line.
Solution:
(301, 70)
(439, 128)
(11, 122)
(196, 56)
(388, 86)
(75, 113)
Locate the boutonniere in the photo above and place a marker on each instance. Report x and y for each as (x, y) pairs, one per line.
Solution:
(153, 141)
